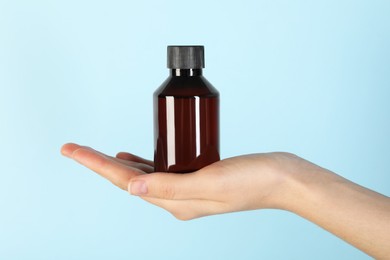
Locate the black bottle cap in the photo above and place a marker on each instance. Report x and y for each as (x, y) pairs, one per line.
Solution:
(185, 57)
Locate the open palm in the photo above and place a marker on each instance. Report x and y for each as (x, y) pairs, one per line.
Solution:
(239, 183)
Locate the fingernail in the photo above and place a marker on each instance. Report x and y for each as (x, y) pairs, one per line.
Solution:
(138, 188)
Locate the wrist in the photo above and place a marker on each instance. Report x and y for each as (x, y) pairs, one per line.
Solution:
(297, 181)
(307, 186)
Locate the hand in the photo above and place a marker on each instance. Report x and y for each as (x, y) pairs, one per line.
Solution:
(274, 180)
(240, 183)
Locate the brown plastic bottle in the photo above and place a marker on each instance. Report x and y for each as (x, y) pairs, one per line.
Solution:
(186, 115)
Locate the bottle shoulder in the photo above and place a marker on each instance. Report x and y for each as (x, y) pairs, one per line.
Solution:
(186, 87)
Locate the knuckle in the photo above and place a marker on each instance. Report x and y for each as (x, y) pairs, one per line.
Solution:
(101, 162)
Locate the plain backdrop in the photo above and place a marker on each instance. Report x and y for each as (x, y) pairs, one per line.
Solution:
(308, 77)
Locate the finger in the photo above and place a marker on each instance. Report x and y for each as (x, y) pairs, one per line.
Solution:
(69, 148)
(138, 162)
(134, 158)
(189, 209)
(172, 186)
(112, 170)
(143, 167)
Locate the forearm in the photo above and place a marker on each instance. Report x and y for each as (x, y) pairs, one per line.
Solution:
(355, 214)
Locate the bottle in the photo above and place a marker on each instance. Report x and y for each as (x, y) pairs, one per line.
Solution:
(186, 114)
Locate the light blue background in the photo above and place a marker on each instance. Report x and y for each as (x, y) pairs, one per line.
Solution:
(309, 77)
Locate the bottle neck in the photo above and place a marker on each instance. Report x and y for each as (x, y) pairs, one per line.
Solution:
(186, 72)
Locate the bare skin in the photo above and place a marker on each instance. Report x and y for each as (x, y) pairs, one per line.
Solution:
(284, 181)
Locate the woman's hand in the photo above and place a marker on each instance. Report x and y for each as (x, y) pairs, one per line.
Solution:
(274, 180)
(241, 183)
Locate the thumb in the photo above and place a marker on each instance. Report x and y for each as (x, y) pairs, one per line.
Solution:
(169, 186)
